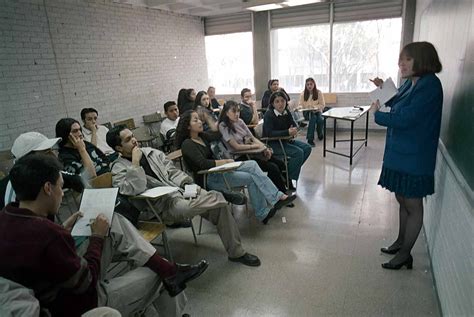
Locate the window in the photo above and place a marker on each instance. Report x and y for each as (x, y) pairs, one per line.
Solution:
(230, 62)
(299, 53)
(360, 50)
(363, 50)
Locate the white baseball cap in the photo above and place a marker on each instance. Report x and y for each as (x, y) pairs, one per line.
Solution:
(32, 141)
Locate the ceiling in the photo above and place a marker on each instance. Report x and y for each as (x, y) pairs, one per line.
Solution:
(206, 8)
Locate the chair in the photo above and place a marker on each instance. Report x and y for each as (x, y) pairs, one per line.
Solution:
(143, 136)
(149, 230)
(229, 187)
(285, 156)
(129, 123)
(168, 140)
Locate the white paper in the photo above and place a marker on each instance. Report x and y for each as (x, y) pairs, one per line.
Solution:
(95, 202)
(190, 191)
(385, 93)
(158, 191)
(226, 166)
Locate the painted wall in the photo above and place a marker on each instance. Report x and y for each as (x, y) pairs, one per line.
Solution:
(124, 61)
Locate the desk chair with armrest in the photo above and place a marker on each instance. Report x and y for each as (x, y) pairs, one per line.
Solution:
(149, 230)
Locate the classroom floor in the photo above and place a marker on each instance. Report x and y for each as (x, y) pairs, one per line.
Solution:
(324, 260)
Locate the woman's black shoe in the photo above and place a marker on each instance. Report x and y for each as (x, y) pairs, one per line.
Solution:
(390, 250)
(390, 266)
(270, 214)
(282, 203)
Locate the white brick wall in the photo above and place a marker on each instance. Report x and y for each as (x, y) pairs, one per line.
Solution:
(123, 61)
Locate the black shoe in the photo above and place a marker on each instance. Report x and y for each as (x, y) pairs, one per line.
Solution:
(302, 124)
(320, 137)
(311, 143)
(235, 198)
(247, 259)
(185, 224)
(270, 214)
(390, 266)
(282, 203)
(390, 250)
(292, 187)
(185, 273)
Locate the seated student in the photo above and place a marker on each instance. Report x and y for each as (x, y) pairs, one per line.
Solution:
(278, 122)
(186, 99)
(171, 122)
(78, 156)
(274, 86)
(265, 198)
(211, 91)
(237, 137)
(66, 281)
(95, 133)
(312, 98)
(34, 142)
(248, 109)
(205, 113)
(82, 158)
(140, 168)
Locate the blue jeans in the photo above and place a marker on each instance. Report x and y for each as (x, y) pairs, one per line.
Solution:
(297, 152)
(315, 118)
(263, 193)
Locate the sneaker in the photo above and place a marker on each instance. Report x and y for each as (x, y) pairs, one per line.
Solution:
(311, 143)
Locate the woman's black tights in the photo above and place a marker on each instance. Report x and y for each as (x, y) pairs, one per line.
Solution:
(411, 220)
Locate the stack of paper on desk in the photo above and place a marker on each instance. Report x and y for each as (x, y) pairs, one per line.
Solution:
(93, 203)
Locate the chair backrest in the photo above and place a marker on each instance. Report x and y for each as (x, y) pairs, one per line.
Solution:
(129, 123)
(141, 133)
(151, 118)
(102, 181)
(330, 98)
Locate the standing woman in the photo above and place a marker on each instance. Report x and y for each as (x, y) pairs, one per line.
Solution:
(278, 122)
(312, 98)
(413, 130)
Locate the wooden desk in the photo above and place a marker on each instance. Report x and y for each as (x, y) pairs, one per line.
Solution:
(351, 114)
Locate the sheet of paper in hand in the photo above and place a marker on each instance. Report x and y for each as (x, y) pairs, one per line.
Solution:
(95, 202)
(385, 93)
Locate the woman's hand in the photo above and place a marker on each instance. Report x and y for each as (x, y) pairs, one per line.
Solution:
(375, 106)
(77, 142)
(69, 223)
(377, 81)
(292, 131)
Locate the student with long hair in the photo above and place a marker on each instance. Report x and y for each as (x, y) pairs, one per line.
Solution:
(273, 85)
(238, 137)
(186, 99)
(312, 98)
(195, 145)
(278, 122)
(203, 107)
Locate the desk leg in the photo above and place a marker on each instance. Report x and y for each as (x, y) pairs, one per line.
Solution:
(334, 136)
(324, 141)
(352, 141)
(367, 128)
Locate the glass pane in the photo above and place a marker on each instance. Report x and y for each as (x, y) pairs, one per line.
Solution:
(363, 50)
(230, 62)
(299, 53)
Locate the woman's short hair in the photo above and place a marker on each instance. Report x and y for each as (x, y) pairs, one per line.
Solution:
(425, 58)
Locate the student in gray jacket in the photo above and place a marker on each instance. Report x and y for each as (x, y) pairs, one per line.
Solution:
(138, 169)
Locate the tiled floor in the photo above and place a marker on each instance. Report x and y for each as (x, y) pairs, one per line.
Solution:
(324, 261)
